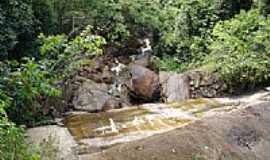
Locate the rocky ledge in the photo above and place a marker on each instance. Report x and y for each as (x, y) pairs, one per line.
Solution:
(234, 128)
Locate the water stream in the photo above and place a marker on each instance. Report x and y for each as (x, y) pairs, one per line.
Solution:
(102, 130)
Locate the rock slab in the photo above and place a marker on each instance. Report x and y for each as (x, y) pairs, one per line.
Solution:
(240, 135)
(91, 96)
(174, 87)
(54, 142)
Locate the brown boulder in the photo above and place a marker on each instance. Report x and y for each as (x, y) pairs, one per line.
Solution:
(144, 83)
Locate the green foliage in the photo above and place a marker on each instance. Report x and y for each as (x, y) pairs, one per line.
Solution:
(187, 26)
(12, 144)
(25, 85)
(30, 81)
(172, 64)
(181, 28)
(28, 85)
(264, 6)
(47, 20)
(16, 24)
(240, 49)
(64, 56)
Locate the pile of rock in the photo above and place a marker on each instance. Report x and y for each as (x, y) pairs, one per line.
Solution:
(203, 84)
(135, 84)
(111, 84)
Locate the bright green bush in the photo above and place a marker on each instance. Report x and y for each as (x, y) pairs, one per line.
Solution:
(241, 50)
(12, 144)
(25, 86)
(62, 57)
(28, 84)
(171, 64)
(31, 81)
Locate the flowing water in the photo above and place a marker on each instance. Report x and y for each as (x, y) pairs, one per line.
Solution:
(102, 130)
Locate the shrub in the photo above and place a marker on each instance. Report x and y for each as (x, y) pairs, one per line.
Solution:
(240, 49)
(62, 57)
(12, 144)
(28, 84)
(171, 64)
(16, 25)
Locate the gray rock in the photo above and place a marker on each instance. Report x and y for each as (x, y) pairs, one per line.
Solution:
(239, 135)
(91, 96)
(174, 87)
(54, 142)
(142, 60)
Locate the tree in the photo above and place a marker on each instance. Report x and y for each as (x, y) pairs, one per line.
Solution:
(16, 25)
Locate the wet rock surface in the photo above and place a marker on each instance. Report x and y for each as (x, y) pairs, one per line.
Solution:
(240, 135)
(97, 131)
(234, 128)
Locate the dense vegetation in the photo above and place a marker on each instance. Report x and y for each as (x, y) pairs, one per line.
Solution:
(41, 38)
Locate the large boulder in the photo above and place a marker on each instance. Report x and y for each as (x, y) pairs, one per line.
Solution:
(94, 97)
(91, 96)
(144, 83)
(174, 87)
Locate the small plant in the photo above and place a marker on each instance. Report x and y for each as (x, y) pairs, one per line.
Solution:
(196, 157)
(171, 64)
(49, 149)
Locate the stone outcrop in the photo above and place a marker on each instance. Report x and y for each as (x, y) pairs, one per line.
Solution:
(91, 96)
(174, 87)
(239, 135)
(144, 83)
(94, 97)
(109, 83)
(203, 84)
(193, 84)
(234, 128)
